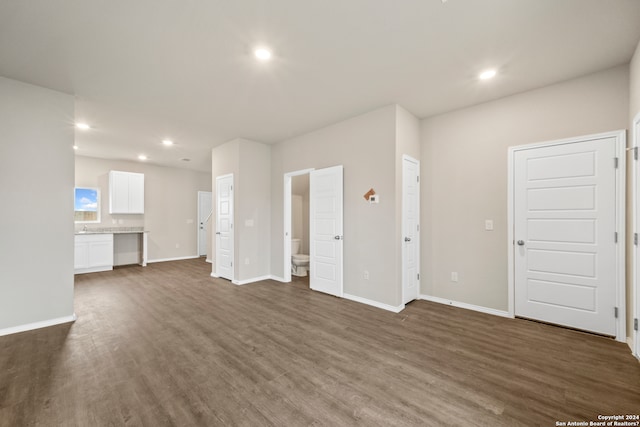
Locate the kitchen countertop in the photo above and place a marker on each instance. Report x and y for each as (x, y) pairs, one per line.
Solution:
(112, 230)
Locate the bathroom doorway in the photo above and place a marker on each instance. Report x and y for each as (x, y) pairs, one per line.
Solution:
(296, 220)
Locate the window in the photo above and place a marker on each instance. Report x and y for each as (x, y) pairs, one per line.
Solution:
(87, 204)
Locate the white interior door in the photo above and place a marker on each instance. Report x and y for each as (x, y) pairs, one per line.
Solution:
(636, 222)
(204, 215)
(325, 229)
(410, 229)
(565, 234)
(224, 226)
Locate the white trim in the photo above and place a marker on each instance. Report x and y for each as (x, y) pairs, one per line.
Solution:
(286, 213)
(247, 281)
(92, 269)
(408, 158)
(635, 203)
(620, 136)
(395, 309)
(38, 325)
(466, 306)
(278, 279)
(209, 261)
(214, 275)
(173, 259)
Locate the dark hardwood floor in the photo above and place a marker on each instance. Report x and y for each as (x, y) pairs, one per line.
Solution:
(169, 345)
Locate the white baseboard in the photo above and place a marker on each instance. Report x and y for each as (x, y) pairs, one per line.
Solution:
(253, 280)
(173, 259)
(466, 306)
(214, 275)
(278, 279)
(373, 303)
(38, 325)
(92, 270)
(209, 261)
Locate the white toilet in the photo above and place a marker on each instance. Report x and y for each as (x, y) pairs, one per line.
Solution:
(299, 262)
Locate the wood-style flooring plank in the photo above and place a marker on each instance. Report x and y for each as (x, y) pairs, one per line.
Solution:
(167, 345)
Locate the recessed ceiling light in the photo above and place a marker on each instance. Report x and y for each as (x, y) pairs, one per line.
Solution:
(75, 147)
(83, 126)
(487, 74)
(142, 157)
(262, 54)
(167, 142)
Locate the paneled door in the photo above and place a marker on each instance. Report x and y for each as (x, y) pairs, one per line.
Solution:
(224, 226)
(204, 215)
(410, 229)
(325, 229)
(565, 234)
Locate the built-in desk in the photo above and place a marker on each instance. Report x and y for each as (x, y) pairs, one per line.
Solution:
(94, 248)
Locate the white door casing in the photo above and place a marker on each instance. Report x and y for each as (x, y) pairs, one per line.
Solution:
(224, 226)
(567, 232)
(636, 229)
(410, 229)
(325, 229)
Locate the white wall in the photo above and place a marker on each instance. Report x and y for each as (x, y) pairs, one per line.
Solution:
(36, 217)
(253, 206)
(296, 217)
(407, 143)
(464, 176)
(171, 202)
(249, 162)
(634, 84)
(365, 146)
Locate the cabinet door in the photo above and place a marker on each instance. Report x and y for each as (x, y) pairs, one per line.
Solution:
(118, 192)
(136, 193)
(101, 253)
(81, 254)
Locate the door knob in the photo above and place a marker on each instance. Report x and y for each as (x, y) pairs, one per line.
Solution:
(217, 232)
(407, 239)
(338, 237)
(521, 242)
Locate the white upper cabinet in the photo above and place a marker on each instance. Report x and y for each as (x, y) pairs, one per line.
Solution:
(126, 193)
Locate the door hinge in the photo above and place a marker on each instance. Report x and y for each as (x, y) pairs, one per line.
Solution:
(615, 312)
(615, 162)
(615, 237)
(635, 324)
(418, 276)
(635, 153)
(232, 266)
(418, 227)
(635, 239)
(418, 178)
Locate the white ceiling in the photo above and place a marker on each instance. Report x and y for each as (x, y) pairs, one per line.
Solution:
(145, 70)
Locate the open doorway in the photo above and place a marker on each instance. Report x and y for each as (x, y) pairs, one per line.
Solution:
(296, 225)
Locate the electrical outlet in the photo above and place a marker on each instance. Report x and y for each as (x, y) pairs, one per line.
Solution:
(488, 225)
(246, 261)
(454, 276)
(365, 275)
(177, 245)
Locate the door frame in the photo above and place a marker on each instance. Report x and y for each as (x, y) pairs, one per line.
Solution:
(286, 273)
(404, 252)
(233, 230)
(620, 181)
(198, 242)
(635, 194)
